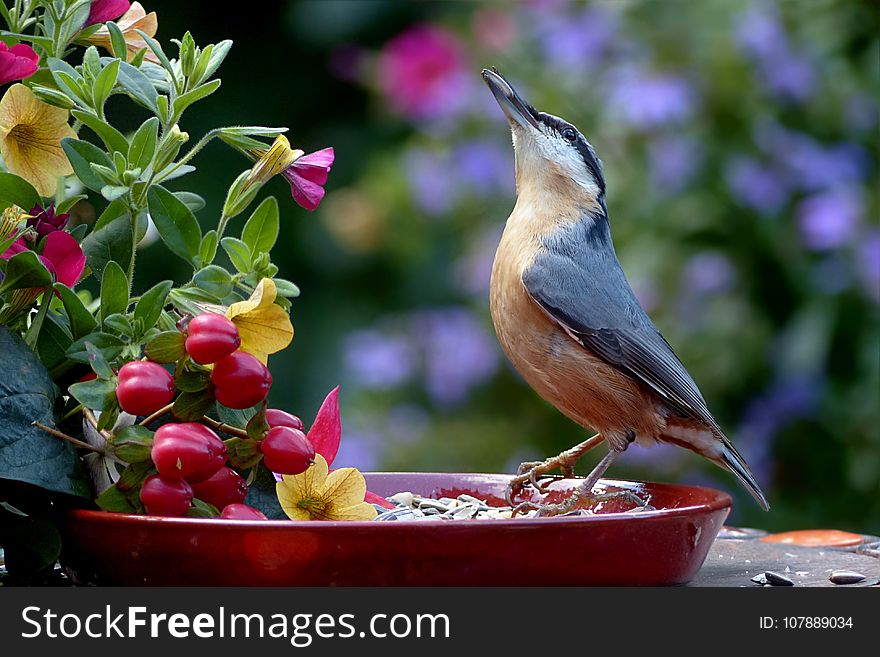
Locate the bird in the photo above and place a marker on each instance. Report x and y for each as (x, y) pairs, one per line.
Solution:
(570, 323)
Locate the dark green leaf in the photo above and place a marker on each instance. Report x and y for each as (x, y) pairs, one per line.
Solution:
(235, 417)
(114, 290)
(143, 144)
(68, 80)
(31, 545)
(99, 364)
(261, 230)
(17, 191)
(81, 155)
(65, 205)
(104, 83)
(119, 501)
(257, 426)
(208, 247)
(134, 475)
(112, 138)
(202, 509)
(132, 443)
(195, 95)
(214, 280)
(109, 416)
(176, 224)
(25, 270)
(157, 50)
(117, 41)
(239, 253)
(244, 453)
(80, 319)
(97, 394)
(167, 347)
(109, 345)
(52, 345)
(189, 381)
(151, 303)
(190, 406)
(119, 324)
(186, 299)
(27, 454)
(262, 495)
(193, 201)
(111, 242)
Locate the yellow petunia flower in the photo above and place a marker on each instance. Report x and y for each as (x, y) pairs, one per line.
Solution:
(264, 327)
(318, 494)
(30, 138)
(136, 18)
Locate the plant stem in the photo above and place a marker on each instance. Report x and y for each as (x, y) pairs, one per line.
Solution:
(155, 416)
(224, 428)
(90, 417)
(70, 439)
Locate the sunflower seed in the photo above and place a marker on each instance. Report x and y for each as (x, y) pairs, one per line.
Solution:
(775, 579)
(846, 577)
(402, 499)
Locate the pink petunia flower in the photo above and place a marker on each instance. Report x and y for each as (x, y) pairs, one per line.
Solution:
(102, 11)
(62, 255)
(18, 62)
(307, 177)
(45, 221)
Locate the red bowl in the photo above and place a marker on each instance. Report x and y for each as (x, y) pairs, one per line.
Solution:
(650, 548)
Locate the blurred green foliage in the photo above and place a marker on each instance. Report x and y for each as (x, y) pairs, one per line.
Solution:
(740, 149)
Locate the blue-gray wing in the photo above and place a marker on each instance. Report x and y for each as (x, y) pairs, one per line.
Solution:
(578, 281)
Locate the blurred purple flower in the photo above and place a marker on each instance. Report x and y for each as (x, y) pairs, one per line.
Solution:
(433, 183)
(649, 101)
(759, 31)
(673, 161)
(484, 166)
(861, 112)
(407, 422)
(573, 43)
(755, 185)
(359, 450)
(707, 273)
(832, 275)
(377, 359)
(472, 272)
(646, 292)
(459, 352)
(422, 73)
(790, 77)
(868, 263)
(830, 219)
(662, 457)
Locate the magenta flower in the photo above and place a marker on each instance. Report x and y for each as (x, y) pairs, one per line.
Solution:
(106, 10)
(18, 62)
(422, 72)
(307, 177)
(45, 221)
(61, 254)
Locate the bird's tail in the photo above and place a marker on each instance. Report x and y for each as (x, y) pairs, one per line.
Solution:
(732, 460)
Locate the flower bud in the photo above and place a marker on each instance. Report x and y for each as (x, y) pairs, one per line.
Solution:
(169, 150)
(52, 97)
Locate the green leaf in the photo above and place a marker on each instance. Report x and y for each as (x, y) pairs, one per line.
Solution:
(214, 280)
(31, 546)
(208, 247)
(52, 345)
(190, 406)
(200, 509)
(167, 347)
(261, 495)
(17, 191)
(99, 364)
(195, 95)
(175, 222)
(132, 444)
(238, 252)
(104, 83)
(131, 478)
(244, 453)
(193, 201)
(285, 288)
(119, 501)
(138, 86)
(192, 381)
(114, 290)
(80, 319)
(68, 80)
(117, 41)
(109, 345)
(261, 230)
(111, 242)
(113, 211)
(186, 299)
(157, 50)
(97, 394)
(25, 270)
(112, 138)
(143, 144)
(27, 454)
(113, 192)
(218, 54)
(236, 417)
(151, 303)
(65, 205)
(81, 155)
(119, 324)
(109, 416)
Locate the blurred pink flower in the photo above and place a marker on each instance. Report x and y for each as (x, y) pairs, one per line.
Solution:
(18, 62)
(307, 177)
(102, 11)
(420, 71)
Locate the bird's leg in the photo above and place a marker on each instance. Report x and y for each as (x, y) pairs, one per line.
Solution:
(530, 471)
(583, 492)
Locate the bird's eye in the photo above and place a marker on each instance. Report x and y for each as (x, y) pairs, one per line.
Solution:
(569, 134)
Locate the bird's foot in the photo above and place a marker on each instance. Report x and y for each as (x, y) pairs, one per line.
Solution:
(577, 497)
(532, 472)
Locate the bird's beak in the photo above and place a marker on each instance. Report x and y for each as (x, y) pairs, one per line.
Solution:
(514, 107)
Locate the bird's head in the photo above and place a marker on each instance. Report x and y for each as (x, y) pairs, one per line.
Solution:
(552, 156)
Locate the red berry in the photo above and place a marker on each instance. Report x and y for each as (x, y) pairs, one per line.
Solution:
(144, 387)
(188, 450)
(275, 417)
(240, 380)
(211, 337)
(166, 497)
(287, 451)
(224, 487)
(241, 512)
